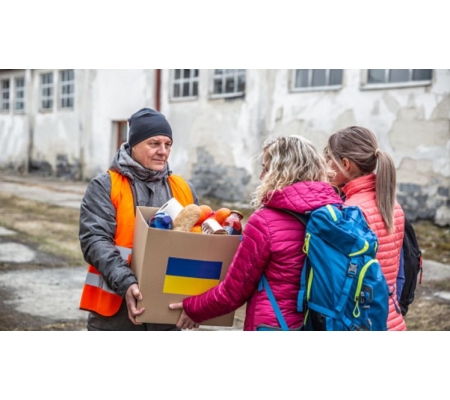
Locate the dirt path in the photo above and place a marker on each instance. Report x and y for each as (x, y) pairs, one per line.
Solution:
(42, 270)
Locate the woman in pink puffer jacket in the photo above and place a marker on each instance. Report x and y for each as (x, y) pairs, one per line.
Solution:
(354, 155)
(294, 177)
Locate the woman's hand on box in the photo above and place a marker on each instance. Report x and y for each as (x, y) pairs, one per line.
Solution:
(132, 295)
(184, 322)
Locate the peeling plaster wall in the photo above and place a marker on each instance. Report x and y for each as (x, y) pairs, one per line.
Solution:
(216, 140)
(55, 133)
(412, 124)
(14, 142)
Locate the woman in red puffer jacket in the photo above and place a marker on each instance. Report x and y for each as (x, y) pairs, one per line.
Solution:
(294, 177)
(367, 177)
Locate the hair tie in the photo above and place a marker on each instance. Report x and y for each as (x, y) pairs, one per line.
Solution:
(377, 151)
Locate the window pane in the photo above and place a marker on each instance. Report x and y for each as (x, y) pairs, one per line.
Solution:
(319, 76)
(241, 83)
(20, 94)
(336, 76)
(195, 72)
(176, 90)
(376, 76)
(177, 74)
(301, 78)
(186, 89)
(228, 81)
(195, 89)
(399, 75)
(421, 74)
(229, 85)
(187, 73)
(217, 86)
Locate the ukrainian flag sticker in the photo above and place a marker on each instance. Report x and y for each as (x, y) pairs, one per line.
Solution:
(191, 277)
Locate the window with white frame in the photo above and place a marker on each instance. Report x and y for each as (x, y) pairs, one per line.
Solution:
(396, 76)
(324, 79)
(184, 83)
(67, 86)
(5, 87)
(47, 91)
(20, 94)
(228, 82)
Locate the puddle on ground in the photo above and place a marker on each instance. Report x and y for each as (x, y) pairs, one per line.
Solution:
(16, 252)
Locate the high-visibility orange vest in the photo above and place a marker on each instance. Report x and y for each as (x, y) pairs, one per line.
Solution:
(96, 295)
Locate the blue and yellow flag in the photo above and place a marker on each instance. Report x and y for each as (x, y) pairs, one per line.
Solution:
(191, 277)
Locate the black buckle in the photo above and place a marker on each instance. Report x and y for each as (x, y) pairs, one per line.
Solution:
(352, 270)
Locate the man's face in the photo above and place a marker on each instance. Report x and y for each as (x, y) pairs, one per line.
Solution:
(153, 153)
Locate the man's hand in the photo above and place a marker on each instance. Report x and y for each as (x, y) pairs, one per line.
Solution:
(184, 322)
(132, 296)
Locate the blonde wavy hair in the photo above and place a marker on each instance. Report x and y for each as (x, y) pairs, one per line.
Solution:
(288, 160)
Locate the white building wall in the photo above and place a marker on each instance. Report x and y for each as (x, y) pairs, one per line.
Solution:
(14, 131)
(216, 141)
(84, 136)
(116, 94)
(411, 123)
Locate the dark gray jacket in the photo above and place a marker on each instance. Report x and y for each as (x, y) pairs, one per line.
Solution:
(98, 216)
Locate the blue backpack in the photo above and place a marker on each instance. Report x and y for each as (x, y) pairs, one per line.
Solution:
(342, 287)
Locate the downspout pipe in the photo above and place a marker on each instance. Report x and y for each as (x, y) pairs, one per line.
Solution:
(158, 90)
(30, 112)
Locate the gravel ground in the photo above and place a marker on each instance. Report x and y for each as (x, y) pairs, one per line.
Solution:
(42, 270)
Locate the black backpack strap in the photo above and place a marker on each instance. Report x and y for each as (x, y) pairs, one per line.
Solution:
(412, 266)
(303, 218)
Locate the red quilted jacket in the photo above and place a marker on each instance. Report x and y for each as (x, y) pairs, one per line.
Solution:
(361, 192)
(272, 243)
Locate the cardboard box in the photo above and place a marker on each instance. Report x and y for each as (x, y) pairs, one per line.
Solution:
(172, 265)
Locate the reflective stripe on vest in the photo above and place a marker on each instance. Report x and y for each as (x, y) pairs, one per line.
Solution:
(97, 281)
(97, 296)
(125, 252)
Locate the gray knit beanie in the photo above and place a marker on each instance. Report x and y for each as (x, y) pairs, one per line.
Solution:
(147, 123)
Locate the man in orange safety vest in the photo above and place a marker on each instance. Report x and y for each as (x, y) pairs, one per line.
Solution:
(138, 176)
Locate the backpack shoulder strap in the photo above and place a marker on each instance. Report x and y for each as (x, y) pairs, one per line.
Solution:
(303, 218)
(264, 284)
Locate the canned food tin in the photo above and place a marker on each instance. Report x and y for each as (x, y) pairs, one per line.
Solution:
(212, 227)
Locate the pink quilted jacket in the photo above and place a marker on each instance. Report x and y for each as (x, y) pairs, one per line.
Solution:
(361, 192)
(272, 243)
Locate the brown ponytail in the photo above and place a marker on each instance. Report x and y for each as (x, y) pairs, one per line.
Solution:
(360, 146)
